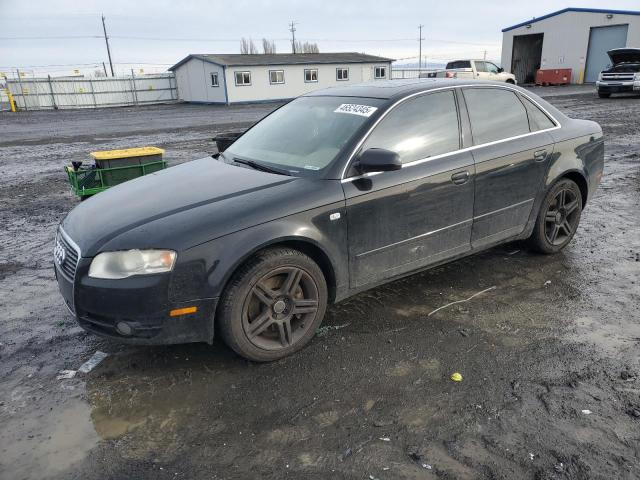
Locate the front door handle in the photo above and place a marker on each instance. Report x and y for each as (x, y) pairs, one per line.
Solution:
(540, 155)
(460, 177)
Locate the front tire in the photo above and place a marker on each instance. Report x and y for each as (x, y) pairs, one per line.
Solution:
(558, 218)
(273, 305)
(604, 95)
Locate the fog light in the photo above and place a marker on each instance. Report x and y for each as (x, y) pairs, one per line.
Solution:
(123, 328)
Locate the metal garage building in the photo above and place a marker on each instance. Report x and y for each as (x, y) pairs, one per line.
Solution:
(240, 78)
(575, 38)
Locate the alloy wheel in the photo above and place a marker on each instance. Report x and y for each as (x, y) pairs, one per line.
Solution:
(562, 217)
(280, 308)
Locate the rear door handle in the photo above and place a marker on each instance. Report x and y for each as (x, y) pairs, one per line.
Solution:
(460, 177)
(540, 155)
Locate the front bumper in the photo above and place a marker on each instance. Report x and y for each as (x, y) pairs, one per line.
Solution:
(142, 302)
(618, 87)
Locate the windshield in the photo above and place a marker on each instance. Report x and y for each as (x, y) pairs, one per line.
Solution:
(306, 135)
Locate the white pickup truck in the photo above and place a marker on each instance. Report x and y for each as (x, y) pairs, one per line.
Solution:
(476, 69)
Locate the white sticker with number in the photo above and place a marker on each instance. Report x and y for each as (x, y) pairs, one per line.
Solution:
(352, 108)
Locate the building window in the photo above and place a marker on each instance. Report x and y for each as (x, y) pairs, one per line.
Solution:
(342, 74)
(243, 78)
(214, 80)
(276, 76)
(310, 75)
(380, 72)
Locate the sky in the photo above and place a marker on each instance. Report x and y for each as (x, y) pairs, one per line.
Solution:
(56, 37)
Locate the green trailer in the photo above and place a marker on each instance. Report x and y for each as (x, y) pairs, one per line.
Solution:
(113, 167)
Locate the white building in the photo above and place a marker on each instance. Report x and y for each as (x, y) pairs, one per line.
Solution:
(239, 78)
(575, 38)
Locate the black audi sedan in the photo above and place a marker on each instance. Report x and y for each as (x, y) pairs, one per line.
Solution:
(334, 193)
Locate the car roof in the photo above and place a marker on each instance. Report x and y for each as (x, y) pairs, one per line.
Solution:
(395, 89)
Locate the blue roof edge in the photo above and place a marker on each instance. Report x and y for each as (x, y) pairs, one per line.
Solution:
(572, 9)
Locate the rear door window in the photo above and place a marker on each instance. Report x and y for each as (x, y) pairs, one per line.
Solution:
(495, 114)
(419, 128)
(459, 64)
(538, 120)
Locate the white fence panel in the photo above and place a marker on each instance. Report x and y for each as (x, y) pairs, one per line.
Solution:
(399, 73)
(54, 93)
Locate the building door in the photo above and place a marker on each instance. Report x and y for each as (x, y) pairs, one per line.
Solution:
(526, 56)
(601, 40)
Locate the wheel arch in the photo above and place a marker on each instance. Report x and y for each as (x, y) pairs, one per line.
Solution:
(579, 178)
(306, 245)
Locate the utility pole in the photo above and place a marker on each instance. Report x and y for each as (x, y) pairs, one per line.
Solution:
(420, 48)
(485, 55)
(292, 29)
(106, 39)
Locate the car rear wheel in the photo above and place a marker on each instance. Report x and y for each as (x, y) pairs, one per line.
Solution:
(273, 305)
(558, 218)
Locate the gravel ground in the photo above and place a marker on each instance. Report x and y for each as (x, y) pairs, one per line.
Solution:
(549, 357)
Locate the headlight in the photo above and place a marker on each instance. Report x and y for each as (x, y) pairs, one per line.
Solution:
(131, 262)
(600, 77)
(636, 76)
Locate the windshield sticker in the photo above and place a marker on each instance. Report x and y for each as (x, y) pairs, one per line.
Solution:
(352, 108)
(311, 167)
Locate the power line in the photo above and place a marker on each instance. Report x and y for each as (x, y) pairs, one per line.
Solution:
(201, 39)
(55, 37)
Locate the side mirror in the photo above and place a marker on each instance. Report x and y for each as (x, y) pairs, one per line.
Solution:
(500, 69)
(378, 160)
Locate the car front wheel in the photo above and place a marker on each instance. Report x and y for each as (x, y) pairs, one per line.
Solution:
(604, 95)
(558, 218)
(273, 305)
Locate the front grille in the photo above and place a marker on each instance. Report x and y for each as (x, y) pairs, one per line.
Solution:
(618, 77)
(68, 262)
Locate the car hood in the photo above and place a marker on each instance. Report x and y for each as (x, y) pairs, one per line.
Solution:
(187, 205)
(624, 55)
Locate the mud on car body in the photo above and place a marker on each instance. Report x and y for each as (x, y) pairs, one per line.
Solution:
(334, 193)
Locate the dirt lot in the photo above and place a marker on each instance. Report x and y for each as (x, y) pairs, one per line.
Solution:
(370, 398)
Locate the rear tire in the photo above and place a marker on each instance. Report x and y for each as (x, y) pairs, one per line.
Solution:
(604, 95)
(558, 218)
(273, 305)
